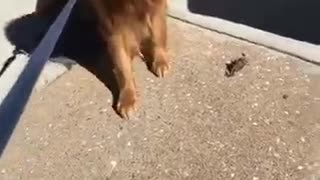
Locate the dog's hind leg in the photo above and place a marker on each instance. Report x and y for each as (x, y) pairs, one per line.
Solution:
(122, 59)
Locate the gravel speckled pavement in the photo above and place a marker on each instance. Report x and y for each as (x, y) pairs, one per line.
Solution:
(261, 124)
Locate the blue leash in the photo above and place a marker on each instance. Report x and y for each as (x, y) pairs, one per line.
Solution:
(14, 103)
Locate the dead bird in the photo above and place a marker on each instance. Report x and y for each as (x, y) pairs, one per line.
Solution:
(236, 65)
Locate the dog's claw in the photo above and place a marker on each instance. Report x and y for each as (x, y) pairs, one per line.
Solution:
(140, 55)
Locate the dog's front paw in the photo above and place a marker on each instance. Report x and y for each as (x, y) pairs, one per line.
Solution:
(127, 103)
(160, 66)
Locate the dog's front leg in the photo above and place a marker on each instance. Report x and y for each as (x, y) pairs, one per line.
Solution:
(158, 50)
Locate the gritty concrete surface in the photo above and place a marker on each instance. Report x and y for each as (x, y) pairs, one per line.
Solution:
(11, 10)
(307, 51)
(263, 123)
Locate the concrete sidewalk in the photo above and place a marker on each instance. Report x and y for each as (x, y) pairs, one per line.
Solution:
(263, 123)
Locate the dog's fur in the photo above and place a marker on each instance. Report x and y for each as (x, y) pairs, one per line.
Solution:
(129, 28)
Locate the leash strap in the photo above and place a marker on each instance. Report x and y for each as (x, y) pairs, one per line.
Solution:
(14, 103)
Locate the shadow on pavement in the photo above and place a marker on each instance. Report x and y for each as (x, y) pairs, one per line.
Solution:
(79, 42)
(290, 18)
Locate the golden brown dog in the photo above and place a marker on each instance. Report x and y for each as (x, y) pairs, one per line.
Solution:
(129, 28)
